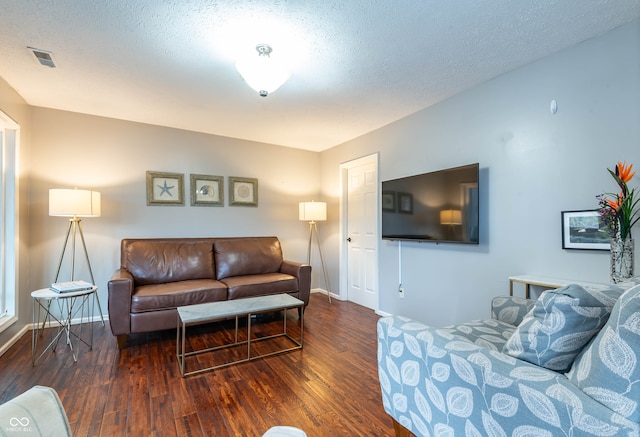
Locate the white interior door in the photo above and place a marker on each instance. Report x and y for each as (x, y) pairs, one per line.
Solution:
(362, 233)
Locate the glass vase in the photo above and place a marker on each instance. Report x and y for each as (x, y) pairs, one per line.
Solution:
(621, 259)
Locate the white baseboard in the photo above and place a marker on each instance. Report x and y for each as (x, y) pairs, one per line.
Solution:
(323, 291)
(13, 340)
(29, 326)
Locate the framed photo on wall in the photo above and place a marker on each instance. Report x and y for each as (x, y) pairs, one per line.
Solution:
(243, 191)
(584, 230)
(165, 188)
(207, 190)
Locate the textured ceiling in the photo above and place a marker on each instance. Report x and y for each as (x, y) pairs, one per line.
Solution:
(357, 64)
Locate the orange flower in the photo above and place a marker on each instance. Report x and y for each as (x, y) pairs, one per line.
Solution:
(624, 172)
(620, 211)
(614, 204)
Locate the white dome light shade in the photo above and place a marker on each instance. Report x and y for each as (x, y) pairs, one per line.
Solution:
(263, 73)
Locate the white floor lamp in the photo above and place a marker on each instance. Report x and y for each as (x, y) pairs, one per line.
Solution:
(451, 217)
(75, 203)
(314, 212)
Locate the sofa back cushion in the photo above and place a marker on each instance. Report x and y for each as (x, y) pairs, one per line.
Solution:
(608, 369)
(560, 324)
(247, 256)
(155, 261)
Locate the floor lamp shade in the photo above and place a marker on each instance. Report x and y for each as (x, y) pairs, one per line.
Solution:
(313, 211)
(73, 202)
(451, 217)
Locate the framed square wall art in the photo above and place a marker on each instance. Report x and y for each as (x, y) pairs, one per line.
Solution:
(165, 188)
(243, 191)
(207, 190)
(584, 230)
(405, 203)
(389, 201)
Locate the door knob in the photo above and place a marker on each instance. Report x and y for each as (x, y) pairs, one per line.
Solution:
(349, 239)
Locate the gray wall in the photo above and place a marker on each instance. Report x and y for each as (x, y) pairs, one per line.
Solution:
(112, 156)
(16, 108)
(533, 166)
(62, 150)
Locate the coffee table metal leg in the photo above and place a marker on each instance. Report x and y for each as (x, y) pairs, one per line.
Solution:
(181, 331)
(184, 335)
(178, 339)
(248, 336)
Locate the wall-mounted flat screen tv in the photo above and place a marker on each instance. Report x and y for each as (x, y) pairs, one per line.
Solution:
(440, 206)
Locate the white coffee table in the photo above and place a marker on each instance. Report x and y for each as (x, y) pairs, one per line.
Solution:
(69, 305)
(209, 312)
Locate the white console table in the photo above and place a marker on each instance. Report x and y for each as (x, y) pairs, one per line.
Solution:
(541, 281)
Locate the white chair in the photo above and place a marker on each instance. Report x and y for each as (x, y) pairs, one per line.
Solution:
(284, 431)
(36, 412)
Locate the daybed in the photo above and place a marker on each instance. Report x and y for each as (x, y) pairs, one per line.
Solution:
(158, 275)
(566, 364)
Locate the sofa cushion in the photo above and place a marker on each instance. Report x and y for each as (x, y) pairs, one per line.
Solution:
(176, 294)
(156, 261)
(608, 370)
(510, 309)
(558, 327)
(492, 334)
(260, 285)
(247, 256)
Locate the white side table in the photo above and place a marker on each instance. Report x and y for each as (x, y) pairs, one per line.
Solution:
(544, 282)
(69, 305)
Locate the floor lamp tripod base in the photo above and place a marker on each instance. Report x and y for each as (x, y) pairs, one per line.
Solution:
(313, 229)
(72, 230)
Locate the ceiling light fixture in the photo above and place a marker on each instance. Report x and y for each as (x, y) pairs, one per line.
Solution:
(263, 73)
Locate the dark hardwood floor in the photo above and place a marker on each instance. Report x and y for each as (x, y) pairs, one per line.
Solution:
(329, 388)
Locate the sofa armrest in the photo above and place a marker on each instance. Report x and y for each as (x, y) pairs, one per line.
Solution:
(120, 288)
(436, 383)
(303, 273)
(510, 309)
(36, 411)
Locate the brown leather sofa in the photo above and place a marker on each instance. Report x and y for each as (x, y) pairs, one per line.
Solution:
(160, 274)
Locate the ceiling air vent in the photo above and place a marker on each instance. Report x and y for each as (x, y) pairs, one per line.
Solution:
(44, 57)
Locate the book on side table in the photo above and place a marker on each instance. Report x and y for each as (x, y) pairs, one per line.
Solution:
(67, 287)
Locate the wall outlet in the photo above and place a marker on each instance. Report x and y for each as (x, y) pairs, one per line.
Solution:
(401, 292)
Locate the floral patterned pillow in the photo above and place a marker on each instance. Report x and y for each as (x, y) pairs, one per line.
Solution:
(558, 327)
(608, 370)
